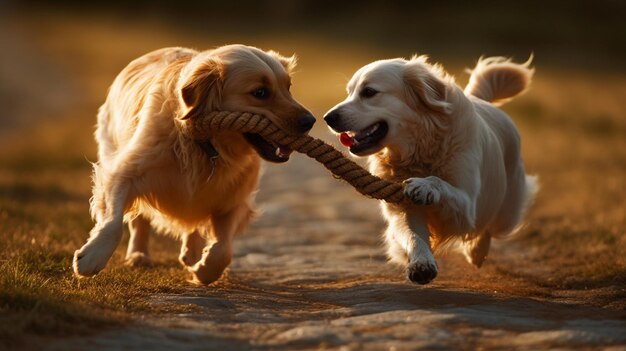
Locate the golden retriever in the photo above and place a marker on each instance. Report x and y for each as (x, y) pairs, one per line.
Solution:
(149, 175)
(457, 153)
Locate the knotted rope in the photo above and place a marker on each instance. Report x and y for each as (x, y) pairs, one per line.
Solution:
(337, 163)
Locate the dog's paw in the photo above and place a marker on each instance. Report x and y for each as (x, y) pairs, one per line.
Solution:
(209, 268)
(205, 275)
(421, 272)
(476, 250)
(422, 191)
(138, 259)
(89, 260)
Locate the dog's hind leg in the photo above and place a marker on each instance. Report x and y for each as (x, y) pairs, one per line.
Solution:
(137, 254)
(191, 249)
(217, 256)
(476, 249)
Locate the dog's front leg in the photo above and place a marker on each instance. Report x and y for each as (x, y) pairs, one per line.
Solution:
(456, 206)
(217, 256)
(407, 238)
(106, 234)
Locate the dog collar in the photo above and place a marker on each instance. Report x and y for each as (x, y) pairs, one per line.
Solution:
(208, 148)
(211, 151)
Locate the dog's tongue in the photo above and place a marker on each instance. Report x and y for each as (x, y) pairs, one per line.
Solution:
(283, 151)
(346, 140)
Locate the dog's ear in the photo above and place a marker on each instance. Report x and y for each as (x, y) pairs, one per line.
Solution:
(288, 62)
(201, 88)
(427, 85)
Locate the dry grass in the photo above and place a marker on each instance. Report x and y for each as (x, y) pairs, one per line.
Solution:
(574, 138)
(44, 192)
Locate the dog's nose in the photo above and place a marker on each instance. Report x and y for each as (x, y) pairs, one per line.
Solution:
(331, 118)
(305, 123)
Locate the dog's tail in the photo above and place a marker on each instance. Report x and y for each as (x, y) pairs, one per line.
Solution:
(498, 79)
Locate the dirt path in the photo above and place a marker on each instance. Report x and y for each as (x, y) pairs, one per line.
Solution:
(311, 273)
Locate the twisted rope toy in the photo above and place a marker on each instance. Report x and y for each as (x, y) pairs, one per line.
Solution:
(337, 163)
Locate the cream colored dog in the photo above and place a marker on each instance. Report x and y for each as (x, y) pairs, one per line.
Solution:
(458, 154)
(151, 176)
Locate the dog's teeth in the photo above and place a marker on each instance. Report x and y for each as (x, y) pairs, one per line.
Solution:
(373, 129)
(280, 152)
(364, 133)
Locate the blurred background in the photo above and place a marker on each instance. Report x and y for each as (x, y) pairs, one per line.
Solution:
(58, 58)
(66, 52)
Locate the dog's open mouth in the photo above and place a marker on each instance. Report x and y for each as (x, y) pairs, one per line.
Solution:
(365, 140)
(268, 150)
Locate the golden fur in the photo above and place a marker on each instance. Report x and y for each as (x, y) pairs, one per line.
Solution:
(150, 175)
(458, 154)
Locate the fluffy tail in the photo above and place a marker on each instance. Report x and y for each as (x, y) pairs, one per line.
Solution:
(498, 79)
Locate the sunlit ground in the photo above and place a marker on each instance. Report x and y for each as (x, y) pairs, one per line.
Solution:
(55, 73)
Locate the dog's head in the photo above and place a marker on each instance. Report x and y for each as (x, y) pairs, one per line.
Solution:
(390, 103)
(244, 78)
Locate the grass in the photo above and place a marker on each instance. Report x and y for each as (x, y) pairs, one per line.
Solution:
(40, 296)
(574, 138)
(43, 219)
(44, 192)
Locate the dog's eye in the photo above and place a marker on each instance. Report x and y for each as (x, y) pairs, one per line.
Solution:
(368, 92)
(261, 93)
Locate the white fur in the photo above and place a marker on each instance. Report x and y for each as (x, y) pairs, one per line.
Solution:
(458, 155)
